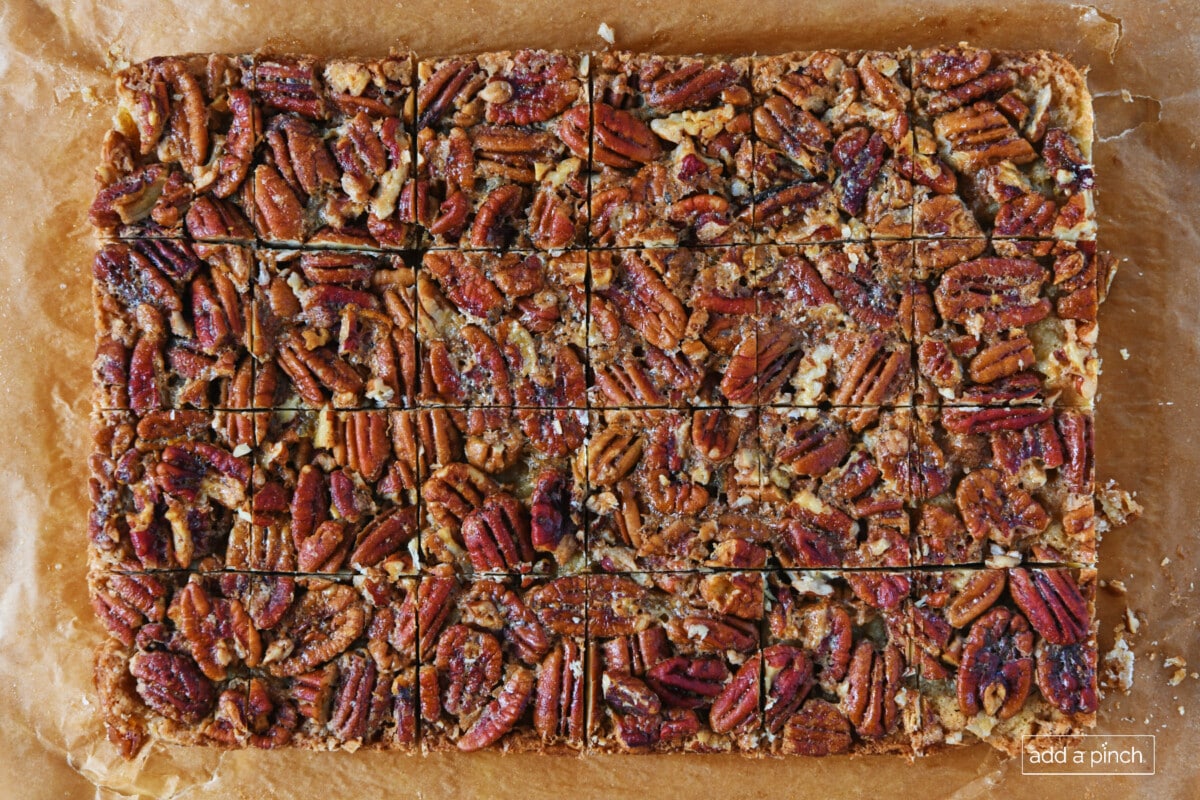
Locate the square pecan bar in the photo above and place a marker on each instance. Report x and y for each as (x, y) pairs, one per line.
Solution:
(671, 151)
(502, 491)
(334, 166)
(837, 486)
(834, 324)
(1005, 654)
(832, 159)
(1003, 145)
(997, 324)
(179, 154)
(502, 663)
(673, 662)
(673, 327)
(502, 150)
(838, 671)
(1003, 485)
(256, 661)
(333, 491)
(172, 325)
(672, 489)
(503, 329)
(334, 327)
(169, 489)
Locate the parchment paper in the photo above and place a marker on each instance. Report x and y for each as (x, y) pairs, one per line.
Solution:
(55, 98)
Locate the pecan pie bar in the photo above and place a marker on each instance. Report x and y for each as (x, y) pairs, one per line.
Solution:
(673, 327)
(1003, 145)
(334, 327)
(834, 324)
(257, 661)
(502, 490)
(671, 151)
(674, 490)
(178, 157)
(1005, 654)
(503, 329)
(833, 153)
(334, 164)
(838, 672)
(503, 146)
(169, 489)
(673, 662)
(172, 325)
(502, 663)
(333, 491)
(994, 326)
(1003, 485)
(837, 486)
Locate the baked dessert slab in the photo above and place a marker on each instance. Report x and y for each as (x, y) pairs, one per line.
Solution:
(833, 147)
(1004, 139)
(502, 663)
(1004, 485)
(240, 660)
(673, 327)
(671, 150)
(1005, 654)
(173, 328)
(674, 490)
(837, 489)
(503, 329)
(334, 491)
(1004, 322)
(334, 327)
(169, 489)
(179, 155)
(835, 324)
(503, 144)
(334, 165)
(502, 491)
(673, 662)
(839, 674)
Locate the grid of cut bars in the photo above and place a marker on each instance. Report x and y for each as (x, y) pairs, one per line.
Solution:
(617, 402)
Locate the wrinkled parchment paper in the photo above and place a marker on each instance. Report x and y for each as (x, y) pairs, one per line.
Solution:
(55, 102)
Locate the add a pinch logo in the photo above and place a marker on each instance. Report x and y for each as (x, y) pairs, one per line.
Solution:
(1088, 755)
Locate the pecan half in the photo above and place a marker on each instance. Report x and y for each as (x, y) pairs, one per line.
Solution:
(496, 534)
(325, 621)
(621, 139)
(991, 295)
(500, 715)
(559, 703)
(994, 510)
(173, 685)
(469, 665)
(1052, 603)
(874, 679)
(737, 704)
(996, 673)
(787, 679)
(981, 591)
(684, 682)
(1066, 676)
(818, 729)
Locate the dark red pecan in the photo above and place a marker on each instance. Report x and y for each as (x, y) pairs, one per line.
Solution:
(996, 672)
(435, 597)
(737, 704)
(994, 510)
(454, 491)
(621, 139)
(494, 220)
(859, 155)
(540, 85)
(626, 694)
(218, 632)
(358, 700)
(550, 522)
(129, 199)
(1052, 603)
(500, 715)
(559, 703)
(874, 679)
(126, 602)
(691, 86)
(688, 682)
(980, 593)
(1066, 163)
(787, 679)
(290, 84)
(815, 539)
(990, 83)
(450, 82)
(469, 664)
(387, 535)
(818, 729)
(882, 590)
(1002, 358)
(173, 686)
(943, 69)
(496, 534)
(791, 129)
(266, 599)
(1078, 465)
(780, 205)
(1066, 677)
(994, 293)
(1012, 450)
(249, 715)
(813, 447)
(969, 422)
